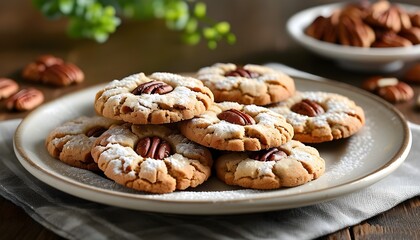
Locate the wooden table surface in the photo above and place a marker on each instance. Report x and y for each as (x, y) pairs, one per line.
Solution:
(152, 48)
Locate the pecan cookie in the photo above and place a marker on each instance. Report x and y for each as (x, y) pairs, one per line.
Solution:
(235, 127)
(320, 116)
(155, 99)
(71, 142)
(250, 84)
(151, 158)
(289, 165)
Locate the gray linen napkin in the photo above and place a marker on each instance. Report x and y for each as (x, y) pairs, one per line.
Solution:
(75, 218)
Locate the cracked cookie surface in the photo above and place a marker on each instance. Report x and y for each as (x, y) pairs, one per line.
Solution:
(252, 129)
(250, 84)
(296, 165)
(125, 157)
(155, 99)
(321, 116)
(71, 142)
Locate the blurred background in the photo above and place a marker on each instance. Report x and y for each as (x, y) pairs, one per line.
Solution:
(148, 46)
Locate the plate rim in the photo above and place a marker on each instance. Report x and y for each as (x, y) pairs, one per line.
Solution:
(328, 193)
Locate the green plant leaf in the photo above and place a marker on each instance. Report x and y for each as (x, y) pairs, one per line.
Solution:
(97, 19)
(200, 10)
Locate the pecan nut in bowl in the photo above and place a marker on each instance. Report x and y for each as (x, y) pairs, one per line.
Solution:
(324, 28)
(62, 75)
(391, 89)
(387, 17)
(412, 34)
(391, 39)
(415, 19)
(372, 84)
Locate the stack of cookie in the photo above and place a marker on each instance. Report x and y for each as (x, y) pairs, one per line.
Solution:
(258, 150)
(135, 142)
(158, 133)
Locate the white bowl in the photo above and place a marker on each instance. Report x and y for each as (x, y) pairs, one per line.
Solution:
(354, 58)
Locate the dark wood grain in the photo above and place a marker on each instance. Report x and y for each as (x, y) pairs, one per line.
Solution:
(149, 47)
(16, 224)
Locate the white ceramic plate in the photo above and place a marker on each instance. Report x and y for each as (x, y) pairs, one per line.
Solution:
(357, 58)
(354, 163)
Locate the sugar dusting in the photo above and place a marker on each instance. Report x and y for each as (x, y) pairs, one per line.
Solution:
(358, 148)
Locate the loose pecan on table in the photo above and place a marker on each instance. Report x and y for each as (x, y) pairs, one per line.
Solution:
(398, 93)
(415, 19)
(51, 70)
(363, 25)
(25, 99)
(372, 84)
(354, 32)
(324, 28)
(7, 87)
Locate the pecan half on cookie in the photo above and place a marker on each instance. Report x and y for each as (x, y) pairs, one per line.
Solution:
(7, 87)
(52, 70)
(153, 147)
(390, 89)
(235, 127)
(307, 107)
(152, 87)
(236, 117)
